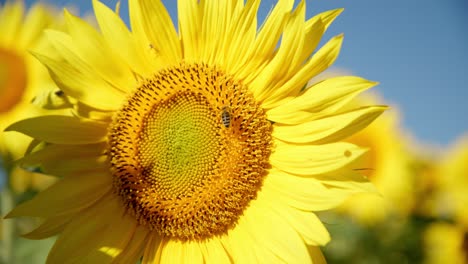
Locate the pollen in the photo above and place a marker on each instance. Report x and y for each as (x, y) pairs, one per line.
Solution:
(183, 165)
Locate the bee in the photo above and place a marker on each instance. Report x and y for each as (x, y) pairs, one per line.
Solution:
(226, 115)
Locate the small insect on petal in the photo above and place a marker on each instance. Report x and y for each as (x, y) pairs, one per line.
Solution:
(226, 116)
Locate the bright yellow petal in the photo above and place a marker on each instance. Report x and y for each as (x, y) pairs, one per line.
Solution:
(329, 129)
(213, 29)
(240, 35)
(160, 31)
(349, 180)
(96, 235)
(286, 60)
(274, 234)
(321, 99)
(236, 239)
(73, 81)
(134, 250)
(53, 153)
(214, 252)
(35, 21)
(10, 20)
(315, 27)
(61, 129)
(68, 195)
(313, 159)
(68, 160)
(306, 224)
(181, 252)
(93, 50)
(319, 62)
(261, 50)
(152, 252)
(306, 194)
(122, 41)
(189, 23)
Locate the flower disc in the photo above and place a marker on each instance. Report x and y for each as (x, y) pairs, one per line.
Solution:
(189, 150)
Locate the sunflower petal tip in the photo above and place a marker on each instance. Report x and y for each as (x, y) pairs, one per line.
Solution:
(11, 127)
(12, 214)
(66, 12)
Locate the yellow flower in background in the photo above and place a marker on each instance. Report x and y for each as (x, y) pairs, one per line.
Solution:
(445, 200)
(195, 146)
(448, 196)
(445, 243)
(21, 78)
(387, 165)
(446, 184)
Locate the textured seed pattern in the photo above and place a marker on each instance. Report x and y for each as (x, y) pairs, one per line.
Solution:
(180, 168)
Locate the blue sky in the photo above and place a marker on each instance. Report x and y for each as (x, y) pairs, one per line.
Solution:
(416, 49)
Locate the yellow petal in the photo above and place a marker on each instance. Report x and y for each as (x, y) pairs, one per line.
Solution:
(274, 234)
(348, 179)
(329, 129)
(266, 41)
(158, 26)
(239, 36)
(77, 166)
(153, 249)
(121, 40)
(181, 252)
(309, 160)
(96, 235)
(189, 24)
(213, 28)
(306, 194)
(323, 98)
(240, 251)
(134, 250)
(306, 224)
(51, 226)
(214, 251)
(37, 19)
(73, 81)
(67, 195)
(54, 153)
(319, 62)
(10, 21)
(94, 51)
(315, 27)
(65, 160)
(61, 129)
(286, 60)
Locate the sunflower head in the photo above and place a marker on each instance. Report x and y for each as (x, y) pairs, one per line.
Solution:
(203, 143)
(185, 134)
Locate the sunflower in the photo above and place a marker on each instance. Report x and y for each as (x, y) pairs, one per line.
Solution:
(196, 145)
(445, 243)
(445, 202)
(448, 197)
(21, 77)
(387, 165)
